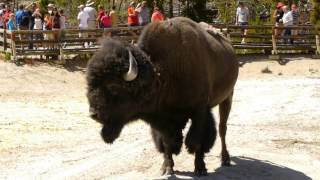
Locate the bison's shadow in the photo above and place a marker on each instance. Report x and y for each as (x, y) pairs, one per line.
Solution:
(244, 59)
(246, 168)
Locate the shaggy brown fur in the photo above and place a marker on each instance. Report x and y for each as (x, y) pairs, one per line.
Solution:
(183, 72)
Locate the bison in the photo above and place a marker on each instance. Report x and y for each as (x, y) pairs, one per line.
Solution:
(177, 71)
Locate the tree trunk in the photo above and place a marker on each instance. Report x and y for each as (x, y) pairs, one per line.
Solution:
(120, 4)
(170, 8)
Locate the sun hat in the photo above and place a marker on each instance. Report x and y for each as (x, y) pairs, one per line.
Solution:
(50, 5)
(280, 5)
(81, 6)
(131, 3)
(89, 3)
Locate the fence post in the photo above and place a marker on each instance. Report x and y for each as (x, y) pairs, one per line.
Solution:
(4, 40)
(61, 45)
(274, 54)
(228, 33)
(317, 53)
(13, 47)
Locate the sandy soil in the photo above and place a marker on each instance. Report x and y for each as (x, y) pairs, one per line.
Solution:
(45, 131)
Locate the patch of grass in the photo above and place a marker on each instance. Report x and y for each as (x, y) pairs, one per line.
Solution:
(7, 56)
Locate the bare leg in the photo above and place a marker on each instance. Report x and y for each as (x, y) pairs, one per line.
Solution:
(200, 138)
(224, 110)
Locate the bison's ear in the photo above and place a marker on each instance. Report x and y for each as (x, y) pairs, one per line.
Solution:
(133, 68)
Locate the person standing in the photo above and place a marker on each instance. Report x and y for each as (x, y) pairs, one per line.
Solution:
(92, 12)
(101, 13)
(287, 21)
(83, 19)
(157, 15)
(2, 11)
(114, 17)
(106, 20)
(242, 18)
(22, 18)
(295, 16)
(63, 19)
(11, 23)
(6, 16)
(278, 14)
(37, 23)
(132, 15)
(143, 13)
(56, 23)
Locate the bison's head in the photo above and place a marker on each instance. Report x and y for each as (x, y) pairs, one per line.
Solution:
(120, 79)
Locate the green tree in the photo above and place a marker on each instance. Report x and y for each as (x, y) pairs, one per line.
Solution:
(315, 16)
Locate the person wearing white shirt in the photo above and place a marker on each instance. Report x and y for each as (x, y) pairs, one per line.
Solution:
(287, 21)
(242, 18)
(92, 12)
(83, 18)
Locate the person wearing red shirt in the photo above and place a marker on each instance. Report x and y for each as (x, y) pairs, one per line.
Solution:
(101, 13)
(157, 15)
(132, 15)
(6, 17)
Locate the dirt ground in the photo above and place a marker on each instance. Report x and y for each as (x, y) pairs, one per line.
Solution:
(45, 132)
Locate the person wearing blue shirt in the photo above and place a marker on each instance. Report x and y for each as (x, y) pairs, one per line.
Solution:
(22, 18)
(19, 14)
(10, 24)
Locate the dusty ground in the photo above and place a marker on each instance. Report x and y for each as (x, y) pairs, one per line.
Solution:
(45, 131)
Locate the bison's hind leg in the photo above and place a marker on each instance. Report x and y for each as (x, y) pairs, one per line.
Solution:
(168, 144)
(201, 137)
(224, 110)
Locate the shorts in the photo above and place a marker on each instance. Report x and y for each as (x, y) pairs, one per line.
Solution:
(243, 24)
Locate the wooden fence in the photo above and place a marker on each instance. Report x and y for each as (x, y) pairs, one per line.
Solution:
(269, 38)
(61, 43)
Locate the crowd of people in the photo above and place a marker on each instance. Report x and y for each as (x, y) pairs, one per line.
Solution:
(31, 18)
(283, 16)
(140, 14)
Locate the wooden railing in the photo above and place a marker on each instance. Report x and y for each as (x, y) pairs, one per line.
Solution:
(62, 43)
(271, 39)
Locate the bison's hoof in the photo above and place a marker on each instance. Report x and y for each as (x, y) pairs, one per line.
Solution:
(226, 163)
(200, 172)
(167, 171)
(225, 159)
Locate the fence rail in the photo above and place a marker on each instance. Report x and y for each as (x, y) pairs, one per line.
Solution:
(61, 43)
(270, 38)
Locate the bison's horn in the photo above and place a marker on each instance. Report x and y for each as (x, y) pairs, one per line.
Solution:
(133, 68)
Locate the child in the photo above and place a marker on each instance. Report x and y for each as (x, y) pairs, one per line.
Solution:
(62, 19)
(37, 23)
(11, 23)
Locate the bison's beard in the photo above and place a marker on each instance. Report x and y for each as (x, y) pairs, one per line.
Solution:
(111, 133)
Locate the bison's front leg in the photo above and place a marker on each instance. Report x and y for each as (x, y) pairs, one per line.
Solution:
(168, 144)
(200, 138)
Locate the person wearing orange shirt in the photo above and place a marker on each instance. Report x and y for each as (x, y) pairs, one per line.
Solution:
(157, 15)
(132, 15)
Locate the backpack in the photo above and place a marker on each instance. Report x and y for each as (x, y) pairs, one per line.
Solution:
(25, 19)
(106, 21)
